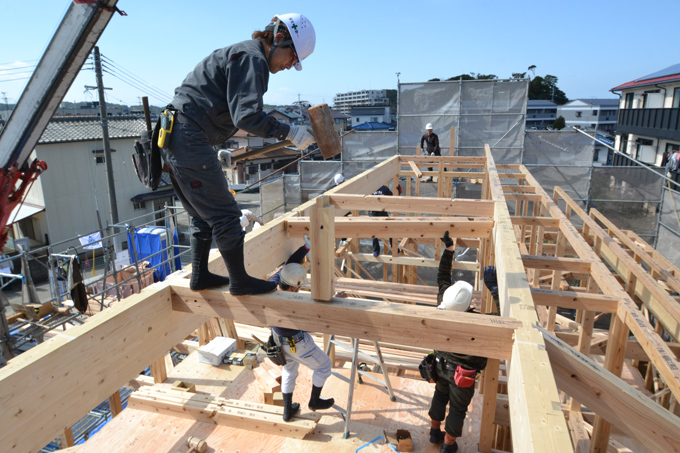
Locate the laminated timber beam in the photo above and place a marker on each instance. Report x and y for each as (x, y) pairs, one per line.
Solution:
(420, 205)
(538, 423)
(620, 403)
(575, 300)
(412, 325)
(52, 386)
(552, 263)
(413, 227)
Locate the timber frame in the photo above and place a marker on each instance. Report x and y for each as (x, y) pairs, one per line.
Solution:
(543, 261)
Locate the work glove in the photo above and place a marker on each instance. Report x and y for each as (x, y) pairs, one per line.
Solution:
(308, 245)
(490, 279)
(448, 242)
(301, 137)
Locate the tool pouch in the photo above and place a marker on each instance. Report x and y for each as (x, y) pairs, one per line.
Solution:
(428, 368)
(147, 158)
(274, 350)
(464, 378)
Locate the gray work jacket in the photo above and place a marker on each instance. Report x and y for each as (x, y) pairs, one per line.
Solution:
(224, 93)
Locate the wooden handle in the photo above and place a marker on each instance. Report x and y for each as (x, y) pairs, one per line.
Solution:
(257, 152)
(259, 341)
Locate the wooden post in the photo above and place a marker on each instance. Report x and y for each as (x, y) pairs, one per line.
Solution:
(67, 438)
(159, 371)
(203, 335)
(452, 142)
(115, 404)
(322, 231)
(490, 381)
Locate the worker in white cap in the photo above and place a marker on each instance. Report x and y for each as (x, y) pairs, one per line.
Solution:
(456, 373)
(338, 179)
(431, 142)
(298, 346)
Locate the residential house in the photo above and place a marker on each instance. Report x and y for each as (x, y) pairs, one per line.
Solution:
(344, 102)
(286, 116)
(361, 115)
(540, 114)
(65, 199)
(590, 114)
(648, 125)
(341, 121)
(249, 171)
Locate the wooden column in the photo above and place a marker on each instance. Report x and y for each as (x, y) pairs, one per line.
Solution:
(159, 371)
(490, 383)
(322, 238)
(67, 438)
(115, 404)
(452, 142)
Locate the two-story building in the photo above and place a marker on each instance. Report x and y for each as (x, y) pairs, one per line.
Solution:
(286, 116)
(590, 114)
(648, 124)
(541, 114)
(361, 115)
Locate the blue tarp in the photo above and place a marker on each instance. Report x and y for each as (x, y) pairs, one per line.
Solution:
(372, 126)
(150, 241)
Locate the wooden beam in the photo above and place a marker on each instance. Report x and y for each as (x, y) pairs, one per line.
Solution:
(414, 261)
(613, 399)
(96, 358)
(322, 237)
(416, 170)
(574, 300)
(420, 205)
(538, 424)
(400, 227)
(557, 263)
(396, 323)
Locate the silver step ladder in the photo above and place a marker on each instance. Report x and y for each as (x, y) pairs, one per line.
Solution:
(356, 356)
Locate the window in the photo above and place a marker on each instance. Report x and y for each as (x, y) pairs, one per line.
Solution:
(578, 114)
(594, 112)
(99, 160)
(676, 98)
(629, 100)
(139, 205)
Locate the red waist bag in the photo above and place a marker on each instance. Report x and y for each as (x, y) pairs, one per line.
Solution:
(464, 378)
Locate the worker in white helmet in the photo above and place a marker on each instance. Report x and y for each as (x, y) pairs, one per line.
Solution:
(223, 94)
(431, 142)
(456, 373)
(298, 346)
(338, 179)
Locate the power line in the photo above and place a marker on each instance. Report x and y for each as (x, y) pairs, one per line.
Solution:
(119, 70)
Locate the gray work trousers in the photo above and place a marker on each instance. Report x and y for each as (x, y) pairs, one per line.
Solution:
(201, 186)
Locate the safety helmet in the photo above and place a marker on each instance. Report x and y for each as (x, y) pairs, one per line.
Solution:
(457, 297)
(293, 274)
(338, 178)
(429, 126)
(301, 32)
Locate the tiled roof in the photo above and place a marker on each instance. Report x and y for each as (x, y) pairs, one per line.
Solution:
(666, 75)
(79, 129)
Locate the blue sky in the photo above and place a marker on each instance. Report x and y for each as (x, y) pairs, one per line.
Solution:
(591, 46)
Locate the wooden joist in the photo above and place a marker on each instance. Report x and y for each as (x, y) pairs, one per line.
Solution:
(556, 264)
(399, 227)
(263, 418)
(413, 261)
(420, 205)
(575, 300)
(488, 336)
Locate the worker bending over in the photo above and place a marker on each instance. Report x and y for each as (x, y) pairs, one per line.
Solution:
(298, 346)
(220, 96)
(456, 373)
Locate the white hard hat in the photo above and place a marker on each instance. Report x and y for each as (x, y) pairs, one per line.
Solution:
(244, 221)
(429, 126)
(302, 33)
(339, 179)
(457, 297)
(293, 274)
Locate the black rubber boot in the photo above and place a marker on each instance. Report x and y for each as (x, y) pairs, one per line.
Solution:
(242, 284)
(289, 407)
(437, 436)
(449, 448)
(316, 403)
(201, 277)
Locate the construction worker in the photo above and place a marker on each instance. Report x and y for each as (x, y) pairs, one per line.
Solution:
(220, 96)
(338, 179)
(456, 372)
(383, 190)
(432, 141)
(298, 346)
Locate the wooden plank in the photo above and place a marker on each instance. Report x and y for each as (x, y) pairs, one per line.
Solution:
(609, 396)
(415, 227)
(413, 261)
(556, 263)
(577, 301)
(415, 169)
(547, 222)
(538, 424)
(322, 238)
(419, 205)
(97, 358)
(489, 336)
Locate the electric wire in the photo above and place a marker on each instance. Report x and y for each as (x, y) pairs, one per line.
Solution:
(115, 67)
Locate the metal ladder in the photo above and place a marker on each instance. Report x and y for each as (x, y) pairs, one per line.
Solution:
(356, 355)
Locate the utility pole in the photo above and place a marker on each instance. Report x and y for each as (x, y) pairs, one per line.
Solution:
(107, 146)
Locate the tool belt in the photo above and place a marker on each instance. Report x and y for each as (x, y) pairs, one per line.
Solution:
(428, 368)
(274, 349)
(292, 341)
(147, 158)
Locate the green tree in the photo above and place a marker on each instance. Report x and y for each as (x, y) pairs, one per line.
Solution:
(435, 80)
(545, 88)
(462, 77)
(519, 75)
(559, 123)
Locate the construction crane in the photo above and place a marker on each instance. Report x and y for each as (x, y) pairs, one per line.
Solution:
(70, 46)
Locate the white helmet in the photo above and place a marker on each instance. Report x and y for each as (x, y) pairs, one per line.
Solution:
(429, 126)
(338, 179)
(303, 35)
(457, 297)
(293, 274)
